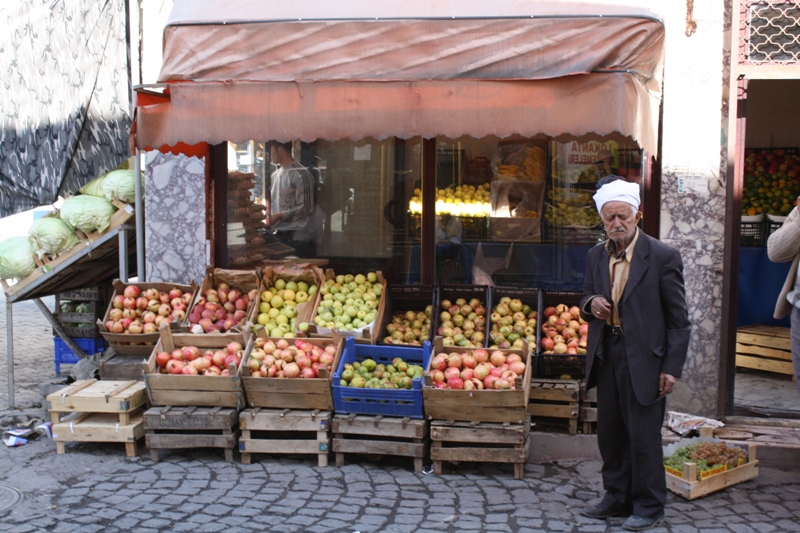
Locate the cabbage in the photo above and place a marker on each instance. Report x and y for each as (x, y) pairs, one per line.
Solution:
(121, 185)
(95, 187)
(16, 258)
(51, 236)
(83, 308)
(87, 213)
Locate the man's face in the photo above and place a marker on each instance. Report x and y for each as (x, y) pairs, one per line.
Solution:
(620, 219)
(274, 154)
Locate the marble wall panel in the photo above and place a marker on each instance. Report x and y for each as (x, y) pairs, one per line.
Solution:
(175, 218)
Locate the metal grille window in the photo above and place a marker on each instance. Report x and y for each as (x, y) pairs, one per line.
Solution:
(769, 32)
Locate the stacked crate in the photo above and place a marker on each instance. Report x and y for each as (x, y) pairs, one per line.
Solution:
(77, 311)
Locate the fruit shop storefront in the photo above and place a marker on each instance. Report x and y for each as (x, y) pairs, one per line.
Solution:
(453, 142)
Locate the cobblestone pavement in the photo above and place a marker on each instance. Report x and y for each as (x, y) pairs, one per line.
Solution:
(95, 487)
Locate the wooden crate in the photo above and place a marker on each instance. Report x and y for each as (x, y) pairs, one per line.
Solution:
(480, 442)
(477, 405)
(765, 348)
(116, 366)
(588, 412)
(285, 431)
(555, 402)
(690, 488)
(379, 435)
(98, 411)
(195, 390)
(179, 428)
(280, 393)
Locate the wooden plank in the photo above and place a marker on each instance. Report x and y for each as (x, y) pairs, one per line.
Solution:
(284, 420)
(479, 455)
(768, 365)
(485, 433)
(199, 398)
(588, 414)
(495, 406)
(174, 441)
(553, 411)
(769, 353)
(97, 427)
(555, 395)
(274, 400)
(93, 398)
(177, 418)
(283, 446)
(408, 428)
(765, 330)
(379, 447)
(194, 383)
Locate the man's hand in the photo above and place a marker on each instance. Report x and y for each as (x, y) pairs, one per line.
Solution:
(601, 308)
(275, 218)
(665, 384)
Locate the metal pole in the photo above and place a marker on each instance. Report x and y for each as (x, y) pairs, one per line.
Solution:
(10, 352)
(123, 254)
(139, 206)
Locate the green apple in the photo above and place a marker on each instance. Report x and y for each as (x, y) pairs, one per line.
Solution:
(276, 301)
(280, 284)
(274, 312)
(264, 307)
(312, 290)
(262, 318)
(302, 326)
(302, 286)
(372, 277)
(301, 296)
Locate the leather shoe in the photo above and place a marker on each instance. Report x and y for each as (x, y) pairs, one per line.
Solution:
(601, 511)
(642, 523)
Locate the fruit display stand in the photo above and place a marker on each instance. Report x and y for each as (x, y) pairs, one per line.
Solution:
(588, 412)
(181, 428)
(455, 293)
(370, 332)
(98, 411)
(766, 348)
(310, 274)
(480, 442)
(386, 402)
(401, 299)
(140, 344)
(551, 365)
(555, 402)
(687, 483)
(477, 405)
(285, 431)
(379, 435)
(522, 300)
(195, 390)
(295, 393)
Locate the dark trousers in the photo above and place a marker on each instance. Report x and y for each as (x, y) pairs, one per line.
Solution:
(628, 435)
(302, 249)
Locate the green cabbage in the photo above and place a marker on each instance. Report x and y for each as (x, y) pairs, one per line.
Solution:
(51, 236)
(83, 308)
(121, 185)
(16, 258)
(87, 213)
(95, 187)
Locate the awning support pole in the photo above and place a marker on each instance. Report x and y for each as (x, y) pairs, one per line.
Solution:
(123, 254)
(58, 329)
(10, 353)
(140, 268)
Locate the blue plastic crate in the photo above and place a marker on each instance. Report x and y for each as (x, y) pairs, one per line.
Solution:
(65, 356)
(388, 402)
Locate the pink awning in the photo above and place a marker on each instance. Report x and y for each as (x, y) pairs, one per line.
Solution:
(264, 70)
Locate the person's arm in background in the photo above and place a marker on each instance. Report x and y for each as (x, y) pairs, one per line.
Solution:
(784, 244)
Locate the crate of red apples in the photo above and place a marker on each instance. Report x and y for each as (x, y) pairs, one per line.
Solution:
(477, 384)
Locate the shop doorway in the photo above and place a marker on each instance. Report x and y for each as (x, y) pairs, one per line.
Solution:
(763, 380)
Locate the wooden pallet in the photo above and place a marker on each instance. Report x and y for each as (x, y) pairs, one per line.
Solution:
(555, 401)
(285, 431)
(379, 435)
(588, 412)
(690, 488)
(180, 428)
(480, 442)
(766, 348)
(98, 411)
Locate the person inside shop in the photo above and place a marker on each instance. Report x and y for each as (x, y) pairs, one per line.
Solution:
(291, 201)
(784, 246)
(635, 303)
(449, 251)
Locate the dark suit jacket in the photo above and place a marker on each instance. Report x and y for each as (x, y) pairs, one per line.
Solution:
(653, 314)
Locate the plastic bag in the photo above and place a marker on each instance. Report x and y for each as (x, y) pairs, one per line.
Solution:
(95, 187)
(51, 236)
(87, 213)
(483, 266)
(121, 185)
(16, 258)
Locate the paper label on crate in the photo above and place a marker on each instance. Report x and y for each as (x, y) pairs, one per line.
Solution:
(129, 209)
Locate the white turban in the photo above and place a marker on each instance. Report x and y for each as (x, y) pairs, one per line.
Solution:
(617, 191)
